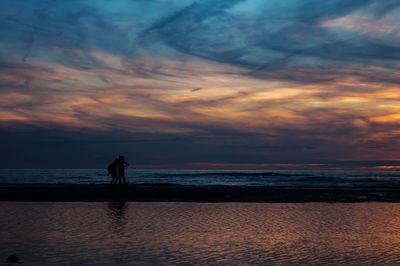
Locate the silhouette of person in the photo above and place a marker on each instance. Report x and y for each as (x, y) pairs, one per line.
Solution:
(121, 169)
(112, 170)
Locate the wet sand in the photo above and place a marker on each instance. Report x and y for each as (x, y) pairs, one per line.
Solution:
(189, 233)
(178, 193)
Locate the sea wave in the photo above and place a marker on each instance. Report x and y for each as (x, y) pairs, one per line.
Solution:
(236, 174)
(206, 177)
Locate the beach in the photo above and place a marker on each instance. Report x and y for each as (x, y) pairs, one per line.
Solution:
(185, 193)
(185, 233)
(190, 220)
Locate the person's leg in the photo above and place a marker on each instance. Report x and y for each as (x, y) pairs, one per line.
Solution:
(123, 176)
(114, 178)
(119, 178)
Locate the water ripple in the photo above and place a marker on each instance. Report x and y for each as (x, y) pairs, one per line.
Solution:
(201, 233)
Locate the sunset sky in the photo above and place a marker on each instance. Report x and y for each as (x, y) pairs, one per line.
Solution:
(182, 83)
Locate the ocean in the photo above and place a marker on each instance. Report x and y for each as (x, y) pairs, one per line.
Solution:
(328, 178)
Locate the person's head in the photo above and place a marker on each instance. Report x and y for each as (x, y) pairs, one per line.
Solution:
(121, 157)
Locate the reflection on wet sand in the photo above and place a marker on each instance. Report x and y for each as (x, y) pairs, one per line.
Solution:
(201, 233)
(116, 211)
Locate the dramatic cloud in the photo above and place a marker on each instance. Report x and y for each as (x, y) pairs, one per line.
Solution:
(199, 82)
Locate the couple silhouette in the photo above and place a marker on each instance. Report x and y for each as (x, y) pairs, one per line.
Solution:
(117, 170)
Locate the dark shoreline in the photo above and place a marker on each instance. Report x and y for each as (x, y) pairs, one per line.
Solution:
(180, 193)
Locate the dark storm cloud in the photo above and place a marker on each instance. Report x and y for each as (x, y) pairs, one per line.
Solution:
(55, 147)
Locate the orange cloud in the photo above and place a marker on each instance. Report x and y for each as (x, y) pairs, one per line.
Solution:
(176, 96)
